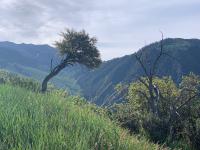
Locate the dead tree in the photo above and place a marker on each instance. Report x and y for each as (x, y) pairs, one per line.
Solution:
(150, 70)
(154, 94)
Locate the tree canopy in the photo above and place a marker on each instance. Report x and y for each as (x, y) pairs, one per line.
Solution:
(75, 47)
(78, 47)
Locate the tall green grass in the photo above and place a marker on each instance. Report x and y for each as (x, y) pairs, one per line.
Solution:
(50, 122)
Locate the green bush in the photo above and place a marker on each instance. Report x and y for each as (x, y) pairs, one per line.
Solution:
(16, 80)
(135, 113)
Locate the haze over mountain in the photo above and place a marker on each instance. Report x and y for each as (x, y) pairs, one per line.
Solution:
(98, 85)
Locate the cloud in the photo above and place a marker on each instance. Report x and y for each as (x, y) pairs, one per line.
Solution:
(121, 26)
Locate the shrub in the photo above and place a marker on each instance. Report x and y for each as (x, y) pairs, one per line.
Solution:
(178, 111)
(16, 80)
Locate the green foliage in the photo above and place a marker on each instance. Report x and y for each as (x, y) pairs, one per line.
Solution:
(127, 118)
(137, 94)
(50, 121)
(75, 48)
(27, 83)
(83, 103)
(78, 47)
(182, 129)
(16, 80)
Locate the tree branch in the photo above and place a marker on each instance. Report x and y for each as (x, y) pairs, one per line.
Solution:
(143, 82)
(158, 57)
(187, 101)
(142, 64)
(51, 67)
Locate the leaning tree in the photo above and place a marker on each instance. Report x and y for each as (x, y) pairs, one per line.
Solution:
(74, 48)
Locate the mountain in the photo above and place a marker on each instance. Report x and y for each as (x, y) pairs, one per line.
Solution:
(34, 61)
(98, 85)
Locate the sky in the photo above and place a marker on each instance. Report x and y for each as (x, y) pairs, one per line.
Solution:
(121, 26)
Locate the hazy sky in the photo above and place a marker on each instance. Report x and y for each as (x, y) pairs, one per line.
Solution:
(121, 26)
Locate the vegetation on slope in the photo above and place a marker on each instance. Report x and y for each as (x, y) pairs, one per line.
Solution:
(97, 85)
(49, 121)
(16, 80)
(34, 61)
(178, 121)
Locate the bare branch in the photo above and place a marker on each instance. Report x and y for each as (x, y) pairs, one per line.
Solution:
(181, 93)
(187, 101)
(158, 57)
(138, 58)
(170, 56)
(143, 82)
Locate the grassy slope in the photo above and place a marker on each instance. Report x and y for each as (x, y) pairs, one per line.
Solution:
(62, 80)
(34, 121)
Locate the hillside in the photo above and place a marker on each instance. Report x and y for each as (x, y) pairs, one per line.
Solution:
(98, 85)
(34, 121)
(34, 61)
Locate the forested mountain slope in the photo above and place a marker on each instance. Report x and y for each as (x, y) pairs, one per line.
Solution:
(98, 85)
(184, 58)
(34, 61)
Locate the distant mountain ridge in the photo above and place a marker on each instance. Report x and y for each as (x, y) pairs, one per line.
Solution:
(33, 61)
(27, 54)
(97, 85)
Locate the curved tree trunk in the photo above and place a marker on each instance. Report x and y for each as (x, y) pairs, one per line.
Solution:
(45, 82)
(53, 73)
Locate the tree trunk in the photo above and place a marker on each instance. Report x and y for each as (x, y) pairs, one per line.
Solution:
(152, 98)
(53, 73)
(45, 82)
